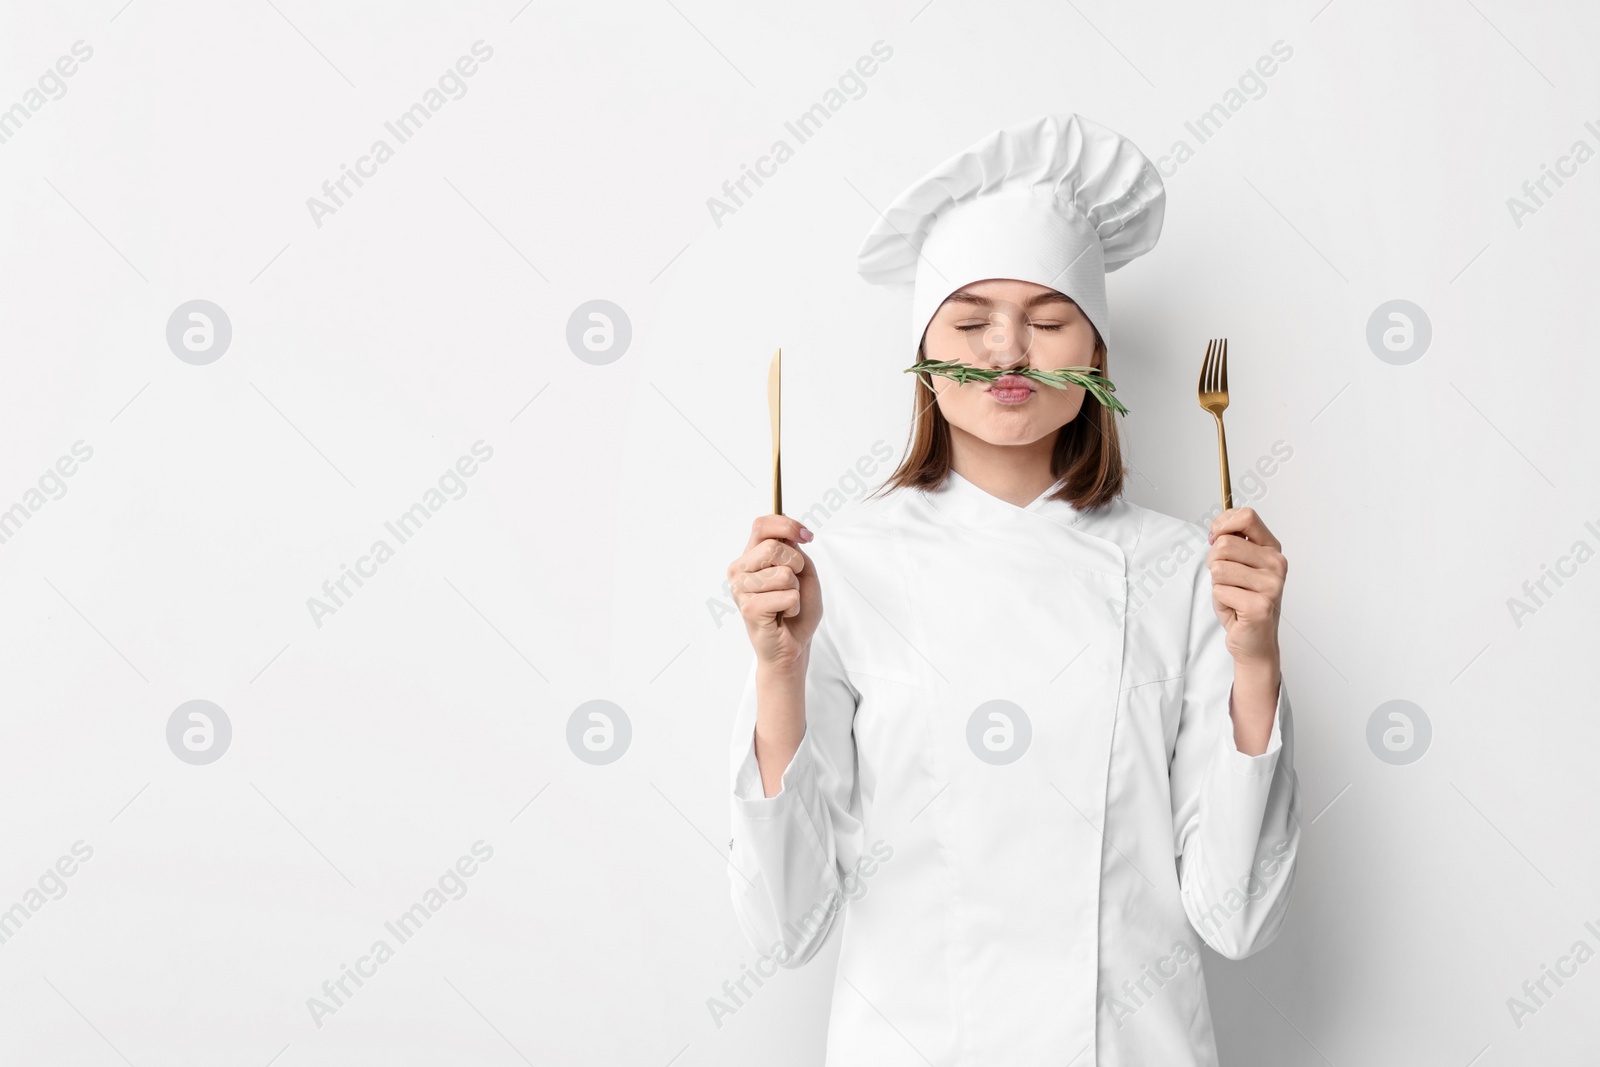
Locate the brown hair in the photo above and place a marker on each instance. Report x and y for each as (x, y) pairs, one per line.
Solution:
(1088, 450)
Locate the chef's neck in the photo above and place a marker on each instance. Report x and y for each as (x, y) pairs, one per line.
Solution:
(1016, 474)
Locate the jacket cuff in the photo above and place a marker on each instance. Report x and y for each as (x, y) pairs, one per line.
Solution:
(1263, 764)
(749, 799)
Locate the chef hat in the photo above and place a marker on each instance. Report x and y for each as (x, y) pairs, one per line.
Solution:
(1058, 201)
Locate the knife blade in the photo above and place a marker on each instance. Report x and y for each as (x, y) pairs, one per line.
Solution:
(774, 390)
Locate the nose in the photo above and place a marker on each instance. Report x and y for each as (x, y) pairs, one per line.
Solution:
(1003, 343)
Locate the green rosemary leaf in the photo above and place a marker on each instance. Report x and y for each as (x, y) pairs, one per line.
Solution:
(1089, 378)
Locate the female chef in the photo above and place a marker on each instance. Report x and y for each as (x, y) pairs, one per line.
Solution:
(1036, 748)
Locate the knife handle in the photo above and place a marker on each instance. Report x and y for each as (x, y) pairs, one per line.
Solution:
(777, 483)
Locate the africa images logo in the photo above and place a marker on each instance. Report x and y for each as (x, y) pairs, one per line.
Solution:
(337, 191)
(851, 85)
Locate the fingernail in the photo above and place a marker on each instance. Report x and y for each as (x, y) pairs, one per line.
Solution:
(805, 534)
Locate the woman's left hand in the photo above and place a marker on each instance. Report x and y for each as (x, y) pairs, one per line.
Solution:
(1247, 572)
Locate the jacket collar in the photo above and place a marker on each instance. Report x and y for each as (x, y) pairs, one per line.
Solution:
(963, 502)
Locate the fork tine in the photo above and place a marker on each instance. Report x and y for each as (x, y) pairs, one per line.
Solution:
(1205, 366)
(1222, 383)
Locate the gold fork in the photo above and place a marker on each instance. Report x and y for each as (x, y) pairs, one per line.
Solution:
(1214, 398)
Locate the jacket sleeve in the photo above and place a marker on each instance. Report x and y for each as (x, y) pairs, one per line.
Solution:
(790, 852)
(1235, 817)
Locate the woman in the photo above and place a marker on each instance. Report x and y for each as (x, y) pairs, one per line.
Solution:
(1036, 748)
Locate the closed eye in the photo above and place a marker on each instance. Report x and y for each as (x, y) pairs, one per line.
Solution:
(1036, 325)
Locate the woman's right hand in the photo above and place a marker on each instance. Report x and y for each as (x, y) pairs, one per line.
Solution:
(775, 586)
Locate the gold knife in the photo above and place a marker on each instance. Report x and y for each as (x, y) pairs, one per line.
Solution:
(774, 388)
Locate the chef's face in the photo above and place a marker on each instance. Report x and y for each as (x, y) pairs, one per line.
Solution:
(1002, 324)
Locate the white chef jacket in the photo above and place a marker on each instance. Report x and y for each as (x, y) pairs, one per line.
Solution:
(1043, 909)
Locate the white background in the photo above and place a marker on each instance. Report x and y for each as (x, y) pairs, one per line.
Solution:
(585, 559)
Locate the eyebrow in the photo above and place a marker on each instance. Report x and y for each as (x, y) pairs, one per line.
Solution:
(961, 296)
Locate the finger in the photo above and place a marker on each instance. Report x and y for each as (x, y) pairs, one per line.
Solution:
(1225, 572)
(774, 553)
(1244, 522)
(1236, 548)
(781, 527)
(758, 607)
(763, 581)
(1248, 604)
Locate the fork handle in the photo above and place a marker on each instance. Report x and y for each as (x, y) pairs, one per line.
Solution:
(1222, 453)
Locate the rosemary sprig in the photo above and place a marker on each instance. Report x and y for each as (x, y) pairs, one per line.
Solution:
(1090, 378)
